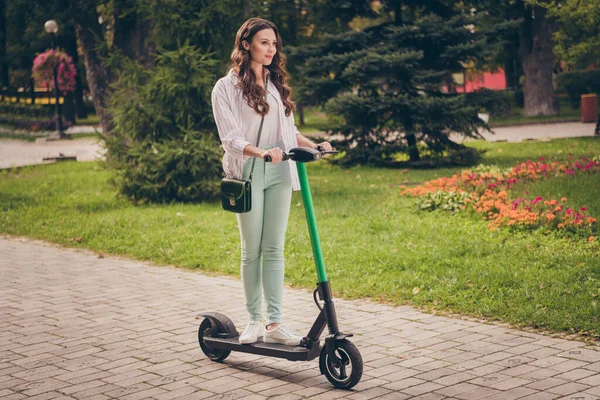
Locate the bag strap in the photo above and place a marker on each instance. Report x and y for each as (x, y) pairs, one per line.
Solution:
(262, 120)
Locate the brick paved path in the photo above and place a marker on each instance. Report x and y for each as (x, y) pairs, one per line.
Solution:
(77, 326)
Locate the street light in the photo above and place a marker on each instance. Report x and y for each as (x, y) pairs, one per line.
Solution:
(51, 28)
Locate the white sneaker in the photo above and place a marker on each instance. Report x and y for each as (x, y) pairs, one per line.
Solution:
(282, 335)
(253, 331)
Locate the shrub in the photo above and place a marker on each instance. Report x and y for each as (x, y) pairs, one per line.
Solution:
(164, 147)
(26, 110)
(490, 169)
(496, 102)
(447, 201)
(32, 124)
(576, 83)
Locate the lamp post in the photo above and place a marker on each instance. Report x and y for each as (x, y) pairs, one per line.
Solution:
(51, 28)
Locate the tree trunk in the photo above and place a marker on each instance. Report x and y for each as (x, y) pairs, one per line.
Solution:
(98, 73)
(71, 49)
(301, 114)
(4, 81)
(396, 7)
(132, 32)
(69, 107)
(246, 9)
(511, 74)
(538, 62)
(413, 150)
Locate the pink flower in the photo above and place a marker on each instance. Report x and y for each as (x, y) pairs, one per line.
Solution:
(582, 209)
(44, 65)
(537, 200)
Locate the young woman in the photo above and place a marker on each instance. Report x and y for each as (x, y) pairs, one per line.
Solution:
(238, 102)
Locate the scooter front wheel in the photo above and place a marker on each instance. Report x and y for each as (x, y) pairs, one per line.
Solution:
(213, 354)
(345, 369)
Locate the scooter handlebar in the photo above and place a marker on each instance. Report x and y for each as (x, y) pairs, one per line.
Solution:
(286, 157)
(303, 154)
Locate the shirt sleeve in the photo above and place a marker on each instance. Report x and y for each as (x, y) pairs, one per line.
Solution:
(296, 131)
(231, 134)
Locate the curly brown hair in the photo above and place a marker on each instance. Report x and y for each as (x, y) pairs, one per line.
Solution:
(241, 62)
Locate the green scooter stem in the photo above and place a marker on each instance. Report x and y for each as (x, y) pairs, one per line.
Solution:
(312, 222)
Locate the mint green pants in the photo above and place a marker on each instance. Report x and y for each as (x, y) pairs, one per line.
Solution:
(262, 233)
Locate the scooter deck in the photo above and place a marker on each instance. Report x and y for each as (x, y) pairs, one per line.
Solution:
(292, 353)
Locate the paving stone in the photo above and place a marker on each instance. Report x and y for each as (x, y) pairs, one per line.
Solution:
(568, 388)
(79, 327)
(579, 396)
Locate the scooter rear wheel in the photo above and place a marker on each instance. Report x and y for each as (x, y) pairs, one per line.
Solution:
(347, 357)
(213, 354)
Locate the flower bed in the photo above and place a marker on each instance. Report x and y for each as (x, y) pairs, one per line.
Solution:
(485, 190)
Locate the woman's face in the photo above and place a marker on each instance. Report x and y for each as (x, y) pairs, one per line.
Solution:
(263, 46)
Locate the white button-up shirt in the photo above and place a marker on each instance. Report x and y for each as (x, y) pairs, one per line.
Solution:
(237, 127)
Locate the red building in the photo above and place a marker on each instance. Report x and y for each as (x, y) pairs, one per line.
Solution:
(489, 80)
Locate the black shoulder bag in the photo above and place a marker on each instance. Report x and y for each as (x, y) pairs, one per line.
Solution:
(236, 195)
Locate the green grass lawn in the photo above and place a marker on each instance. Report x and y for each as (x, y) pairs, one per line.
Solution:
(315, 118)
(376, 243)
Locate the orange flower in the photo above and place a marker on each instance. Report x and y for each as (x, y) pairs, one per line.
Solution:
(591, 239)
(550, 216)
(563, 199)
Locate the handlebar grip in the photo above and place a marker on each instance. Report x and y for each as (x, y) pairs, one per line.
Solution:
(267, 158)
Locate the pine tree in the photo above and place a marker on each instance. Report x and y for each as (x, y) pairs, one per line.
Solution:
(387, 81)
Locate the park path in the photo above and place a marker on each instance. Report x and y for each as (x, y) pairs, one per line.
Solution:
(20, 153)
(76, 325)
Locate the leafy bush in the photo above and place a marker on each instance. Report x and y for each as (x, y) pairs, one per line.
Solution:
(26, 110)
(446, 201)
(496, 102)
(31, 124)
(490, 169)
(576, 83)
(164, 147)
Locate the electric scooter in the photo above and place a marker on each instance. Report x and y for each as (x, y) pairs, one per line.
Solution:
(339, 359)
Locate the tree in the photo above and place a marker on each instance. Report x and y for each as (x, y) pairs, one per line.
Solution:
(536, 50)
(135, 29)
(578, 36)
(91, 36)
(154, 69)
(3, 58)
(386, 82)
(162, 147)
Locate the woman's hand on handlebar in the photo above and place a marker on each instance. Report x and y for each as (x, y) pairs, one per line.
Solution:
(275, 153)
(325, 146)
